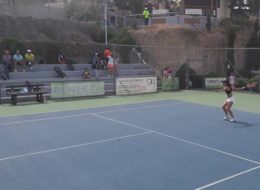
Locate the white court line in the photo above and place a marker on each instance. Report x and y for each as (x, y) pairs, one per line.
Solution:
(73, 146)
(228, 178)
(83, 109)
(179, 139)
(86, 114)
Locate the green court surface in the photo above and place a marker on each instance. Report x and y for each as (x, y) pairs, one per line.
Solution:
(244, 102)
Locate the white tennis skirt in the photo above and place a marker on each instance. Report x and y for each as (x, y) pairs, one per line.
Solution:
(231, 99)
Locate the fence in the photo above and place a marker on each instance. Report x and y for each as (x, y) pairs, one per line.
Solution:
(194, 64)
(189, 64)
(172, 18)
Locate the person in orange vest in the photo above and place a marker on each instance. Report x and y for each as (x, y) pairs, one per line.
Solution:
(107, 52)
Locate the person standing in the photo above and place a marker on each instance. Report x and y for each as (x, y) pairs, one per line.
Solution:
(178, 6)
(146, 16)
(229, 102)
(110, 66)
(232, 80)
(61, 58)
(107, 52)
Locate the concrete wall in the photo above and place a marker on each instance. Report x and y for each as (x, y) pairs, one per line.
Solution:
(223, 11)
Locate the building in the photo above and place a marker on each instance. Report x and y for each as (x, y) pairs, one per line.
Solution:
(217, 8)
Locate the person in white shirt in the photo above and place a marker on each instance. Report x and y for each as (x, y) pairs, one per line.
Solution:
(18, 59)
(110, 65)
(232, 80)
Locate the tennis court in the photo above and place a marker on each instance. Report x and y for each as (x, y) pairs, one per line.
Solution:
(160, 141)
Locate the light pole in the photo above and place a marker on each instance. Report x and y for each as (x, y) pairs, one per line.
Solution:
(105, 18)
(211, 8)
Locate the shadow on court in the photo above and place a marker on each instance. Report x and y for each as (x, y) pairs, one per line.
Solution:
(242, 124)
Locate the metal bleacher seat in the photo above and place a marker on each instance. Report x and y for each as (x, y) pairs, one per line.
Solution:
(32, 75)
(45, 74)
(48, 67)
(82, 66)
(133, 66)
(135, 72)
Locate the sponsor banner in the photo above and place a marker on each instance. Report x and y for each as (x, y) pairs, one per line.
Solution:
(127, 86)
(214, 82)
(170, 84)
(77, 89)
(193, 11)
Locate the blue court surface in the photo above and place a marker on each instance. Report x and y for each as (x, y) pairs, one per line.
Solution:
(163, 145)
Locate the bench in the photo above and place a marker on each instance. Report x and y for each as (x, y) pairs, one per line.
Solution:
(26, 89)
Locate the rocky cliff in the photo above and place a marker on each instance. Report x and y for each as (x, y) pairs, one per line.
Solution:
(205, 52)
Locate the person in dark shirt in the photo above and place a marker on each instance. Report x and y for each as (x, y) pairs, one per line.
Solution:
(7, 60)
(85, 74)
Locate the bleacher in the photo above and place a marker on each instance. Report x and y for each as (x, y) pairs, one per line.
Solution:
(44, 73)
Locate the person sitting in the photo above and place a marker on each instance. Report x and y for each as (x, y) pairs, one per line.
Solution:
(61, 58)
(18, 59)
(29, 59)
(85, 74)
(7, 61)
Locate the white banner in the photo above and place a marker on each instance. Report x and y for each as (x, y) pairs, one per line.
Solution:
(128, 86)
(214, 82)
(77, 89)
(193, 11)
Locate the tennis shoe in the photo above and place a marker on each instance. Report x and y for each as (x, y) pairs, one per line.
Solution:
(232, 120)
(226, 118)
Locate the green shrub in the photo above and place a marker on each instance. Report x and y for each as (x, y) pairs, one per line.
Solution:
(12, 45)
(240, 82)
(49, 51)
(124, 37)
(98, 35)
(256, 79)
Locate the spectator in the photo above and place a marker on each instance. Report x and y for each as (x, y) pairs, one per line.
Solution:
(61, 58)
(29, 59)
(146, 16)
(178, 6)
(107, 52)
(18, 59)
(167, 5)
(188, 81)
(232, 80)
(110, 66)
(167, 73)
(85, 74)
(96, 64)
(150, 7)
(7, 61)
(112, 17)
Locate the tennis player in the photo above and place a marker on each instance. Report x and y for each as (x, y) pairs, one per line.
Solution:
(229, 102)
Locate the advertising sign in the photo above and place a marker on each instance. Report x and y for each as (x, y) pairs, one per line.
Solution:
(128, 86)
(169, 84)
(213, 82)
(77, 89)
